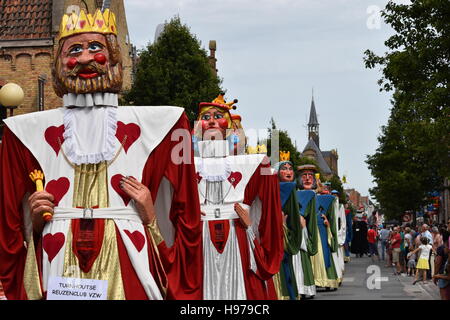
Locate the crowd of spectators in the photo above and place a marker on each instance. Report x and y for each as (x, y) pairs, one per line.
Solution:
(420, 252)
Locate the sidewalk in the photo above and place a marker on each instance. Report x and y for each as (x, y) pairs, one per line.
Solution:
(367, 279)
(427, 291)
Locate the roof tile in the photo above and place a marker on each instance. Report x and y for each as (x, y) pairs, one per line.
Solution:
(25, 19)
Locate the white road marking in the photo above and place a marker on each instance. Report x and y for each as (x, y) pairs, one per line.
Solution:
(348, 279)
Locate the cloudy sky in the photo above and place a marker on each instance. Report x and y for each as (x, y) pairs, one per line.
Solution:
(272, 53)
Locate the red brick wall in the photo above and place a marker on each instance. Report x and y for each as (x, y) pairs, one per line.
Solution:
(24, 66)
(354, 197)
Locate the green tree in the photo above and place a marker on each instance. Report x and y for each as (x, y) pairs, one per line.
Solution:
(413, 156)
(336, 184)
(402, 180)
(174, 70)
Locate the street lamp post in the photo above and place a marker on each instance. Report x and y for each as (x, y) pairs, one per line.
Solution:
(11, 96)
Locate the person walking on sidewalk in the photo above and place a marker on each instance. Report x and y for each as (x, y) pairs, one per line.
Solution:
(384, 237)
(422, 264)
(411, 261)
(373, 242)
(403, 252)
(395, 243)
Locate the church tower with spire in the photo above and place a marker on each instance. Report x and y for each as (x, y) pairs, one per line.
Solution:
(326, 160)
(313, 124)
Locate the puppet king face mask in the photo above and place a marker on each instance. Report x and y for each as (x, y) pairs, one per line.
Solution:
(85, 66)
(85, 56)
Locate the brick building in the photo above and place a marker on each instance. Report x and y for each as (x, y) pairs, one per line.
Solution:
(354, 197)
(28, 39)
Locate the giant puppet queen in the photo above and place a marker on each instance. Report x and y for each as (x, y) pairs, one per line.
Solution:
(101, 163)
(241, 212)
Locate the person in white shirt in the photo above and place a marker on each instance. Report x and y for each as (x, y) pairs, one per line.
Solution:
(422, 264)
(426, 233)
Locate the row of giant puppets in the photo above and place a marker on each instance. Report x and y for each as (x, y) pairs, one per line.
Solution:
(133, 203)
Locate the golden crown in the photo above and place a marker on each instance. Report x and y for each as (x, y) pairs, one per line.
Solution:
(104, 23)
(221, 100)
(220, 103)
(285, 156)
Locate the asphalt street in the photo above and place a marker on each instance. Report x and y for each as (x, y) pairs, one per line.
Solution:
(368, 279)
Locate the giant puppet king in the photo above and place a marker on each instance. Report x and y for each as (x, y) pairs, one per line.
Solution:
(94, 161)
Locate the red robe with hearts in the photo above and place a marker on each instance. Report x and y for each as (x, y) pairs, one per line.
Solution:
(239, 262)
(114, 245)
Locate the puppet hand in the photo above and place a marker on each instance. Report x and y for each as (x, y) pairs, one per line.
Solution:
(39, 203)
(285, 217)
(141, 196)
(302, 222)
(325, 220)
(243, 214)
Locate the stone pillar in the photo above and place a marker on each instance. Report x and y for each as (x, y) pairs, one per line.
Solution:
(212, 56)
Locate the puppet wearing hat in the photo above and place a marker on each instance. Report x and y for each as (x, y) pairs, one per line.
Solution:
(239, 200)
(107, 171)
(286, 280)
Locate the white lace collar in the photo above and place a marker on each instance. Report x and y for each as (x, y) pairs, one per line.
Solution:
(213, 164)
(89, 134)
(214, 169)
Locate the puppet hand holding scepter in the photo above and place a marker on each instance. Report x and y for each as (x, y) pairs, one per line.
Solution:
(37, 177)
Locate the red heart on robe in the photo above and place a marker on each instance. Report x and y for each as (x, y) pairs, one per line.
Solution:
(137, 238)
(58, 188)
(131, 130)
(235, 178)
(115, 183)
(51, 136)
(199, 178)
(52, 243)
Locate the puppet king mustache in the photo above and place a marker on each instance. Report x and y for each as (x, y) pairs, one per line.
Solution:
(90, 68)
